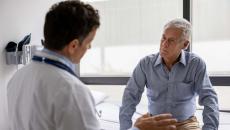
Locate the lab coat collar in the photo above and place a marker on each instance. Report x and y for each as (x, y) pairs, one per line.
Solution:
(55, 56)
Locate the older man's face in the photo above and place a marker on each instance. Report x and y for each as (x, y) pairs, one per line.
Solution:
(171, 43)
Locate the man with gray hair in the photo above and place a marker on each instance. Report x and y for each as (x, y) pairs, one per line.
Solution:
(173, 78)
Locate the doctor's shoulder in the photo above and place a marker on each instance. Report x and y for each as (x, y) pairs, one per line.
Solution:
(74, 83)
(70, 85)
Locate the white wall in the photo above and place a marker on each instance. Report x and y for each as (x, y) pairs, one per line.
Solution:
(17, 19)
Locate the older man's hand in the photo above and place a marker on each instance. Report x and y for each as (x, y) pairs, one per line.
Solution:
(158, 122)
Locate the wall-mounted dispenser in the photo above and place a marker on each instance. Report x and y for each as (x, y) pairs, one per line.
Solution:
(18, 53)
(14, 57)
(19, 57)
(22, 57)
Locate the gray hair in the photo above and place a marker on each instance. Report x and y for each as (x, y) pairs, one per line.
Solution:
(182, 24)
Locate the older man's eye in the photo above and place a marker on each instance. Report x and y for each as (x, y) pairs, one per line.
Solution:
(171, 40)
(89, 46)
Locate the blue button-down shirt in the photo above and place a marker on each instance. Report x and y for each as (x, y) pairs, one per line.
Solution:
(171, 91)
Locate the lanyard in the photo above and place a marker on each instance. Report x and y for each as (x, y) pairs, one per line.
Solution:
(54, 63)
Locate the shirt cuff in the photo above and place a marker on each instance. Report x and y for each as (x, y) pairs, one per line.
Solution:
(133, 128)
(209, 128)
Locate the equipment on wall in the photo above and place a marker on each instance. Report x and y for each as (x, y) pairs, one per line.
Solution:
(19, 53)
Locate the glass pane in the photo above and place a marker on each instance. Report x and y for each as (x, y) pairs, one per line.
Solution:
(211, 34)
(130, 30)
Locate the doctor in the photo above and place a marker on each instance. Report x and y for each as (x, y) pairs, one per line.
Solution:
(46, 94)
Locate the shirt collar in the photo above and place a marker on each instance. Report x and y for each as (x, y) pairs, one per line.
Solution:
(55, 56)
(182, 59)
(159, 60)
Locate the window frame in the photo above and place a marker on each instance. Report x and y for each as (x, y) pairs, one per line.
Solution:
(122, 80)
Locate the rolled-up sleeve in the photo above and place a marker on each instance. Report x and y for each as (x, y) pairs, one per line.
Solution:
(134, 128)
(207, 98)
(131, 97)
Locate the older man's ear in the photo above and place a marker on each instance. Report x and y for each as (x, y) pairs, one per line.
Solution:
(186, 44)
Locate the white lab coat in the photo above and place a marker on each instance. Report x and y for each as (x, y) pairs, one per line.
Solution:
(44, 97)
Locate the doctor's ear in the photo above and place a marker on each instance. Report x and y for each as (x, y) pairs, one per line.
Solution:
(73, 45)
(76, 41)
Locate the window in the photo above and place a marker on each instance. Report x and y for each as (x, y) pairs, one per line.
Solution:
(211, 41)
(211, 34)
(130, 30)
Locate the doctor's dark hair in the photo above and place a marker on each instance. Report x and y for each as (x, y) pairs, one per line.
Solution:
(69, 20)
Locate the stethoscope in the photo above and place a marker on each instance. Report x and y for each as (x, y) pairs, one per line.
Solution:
(61, 66)
(54, 63)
